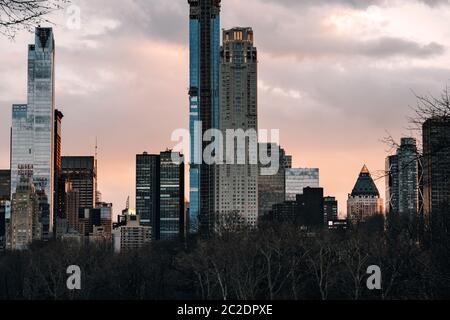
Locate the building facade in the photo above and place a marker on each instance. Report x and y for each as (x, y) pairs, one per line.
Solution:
(272, 187)
(436, 171)
(331, 212)
(237, 179)
(299, 178)
(172, 219)
(32, 137)
(58, 200)
(148, 190)
(25, 219)
(364, 201)
(81, 172)
(403, 193)
(131, 234)
(204, 48)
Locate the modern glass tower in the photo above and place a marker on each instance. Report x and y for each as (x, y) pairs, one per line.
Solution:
(204, 38)
(436, 171)
(402, 184)
(147, 190)
(32, 137)
(171, 197)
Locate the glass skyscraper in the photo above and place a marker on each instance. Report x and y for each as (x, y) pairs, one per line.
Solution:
(147, 190)
(204, 38)
(32, 124)
(171, 197)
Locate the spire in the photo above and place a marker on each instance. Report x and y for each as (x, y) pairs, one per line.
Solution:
(365, 170)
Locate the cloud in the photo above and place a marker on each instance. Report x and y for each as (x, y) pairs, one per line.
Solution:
(350, 3)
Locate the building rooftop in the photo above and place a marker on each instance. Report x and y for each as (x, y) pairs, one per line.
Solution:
(365, 186)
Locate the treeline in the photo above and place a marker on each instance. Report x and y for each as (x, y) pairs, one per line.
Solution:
(273, 262)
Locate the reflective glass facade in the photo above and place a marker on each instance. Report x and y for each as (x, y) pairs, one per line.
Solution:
(32, 124)
(204, 38)
(171, 198)
(147, 190)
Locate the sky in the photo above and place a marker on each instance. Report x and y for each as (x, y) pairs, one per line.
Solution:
(333, 76)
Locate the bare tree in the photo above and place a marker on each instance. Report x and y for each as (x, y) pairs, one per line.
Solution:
(16, 15)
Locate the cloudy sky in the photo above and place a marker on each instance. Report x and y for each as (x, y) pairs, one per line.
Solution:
(334, 76)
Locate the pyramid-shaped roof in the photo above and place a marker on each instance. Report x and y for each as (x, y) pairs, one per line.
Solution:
(365, 186)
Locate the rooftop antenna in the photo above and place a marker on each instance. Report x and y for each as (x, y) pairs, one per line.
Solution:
(128, 203)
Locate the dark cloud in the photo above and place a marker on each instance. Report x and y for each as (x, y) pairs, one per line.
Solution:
(380, 48)
(350, 3)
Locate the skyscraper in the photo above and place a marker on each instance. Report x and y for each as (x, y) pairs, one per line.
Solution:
(25, 220)
(204, 38)
(131, 234)
(311, 205)
(299, 178)
(402, 185)
(272, 188)
(32, 140)
(147, 190)
(81, 172)
(391, 180)
(364, 201)
(330, 209)
(237, 183)
(171, 222)
(436, 170)
(58, 200)
(5, 219)
(5, 185)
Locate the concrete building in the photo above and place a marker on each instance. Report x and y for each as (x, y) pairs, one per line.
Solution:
(25, 220)
(237, 179)
(298, 179)
(272, 187)
(364, 201)
(130, 234)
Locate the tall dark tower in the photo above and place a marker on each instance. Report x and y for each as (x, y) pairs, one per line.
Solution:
(204, 37)
(436, 172)
(58, 187)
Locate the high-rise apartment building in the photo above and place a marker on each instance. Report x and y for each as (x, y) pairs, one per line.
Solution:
(311, 205)
(237, 179)
(25, 219)
(32, 134)
(364, 201)
(299, 178)
(436, 170)
(147, 190)
(403, 193)
(131, 234)
(331, 212)
(5, 220)
(160, 194)
(5, 185)
(58, 200)
(172, 219)
(81, 172)
(204, 47)
(272, 187)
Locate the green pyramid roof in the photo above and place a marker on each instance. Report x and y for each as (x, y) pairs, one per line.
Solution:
(364, 185)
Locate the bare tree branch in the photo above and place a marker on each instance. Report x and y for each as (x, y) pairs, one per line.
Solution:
(16, 15)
